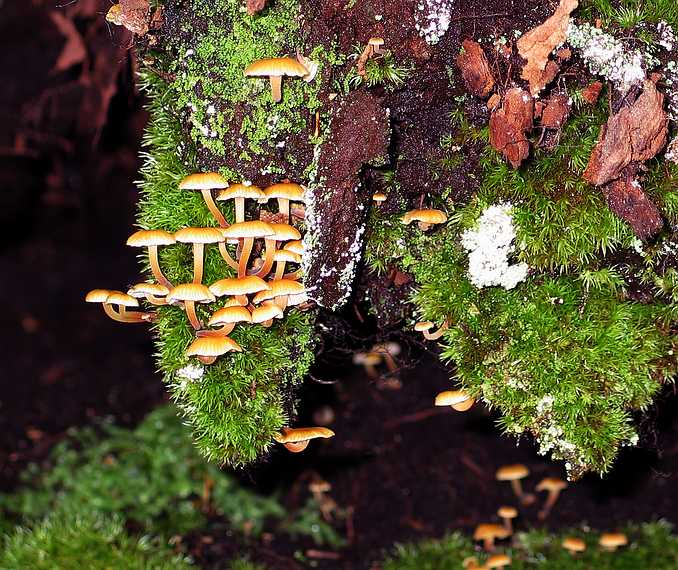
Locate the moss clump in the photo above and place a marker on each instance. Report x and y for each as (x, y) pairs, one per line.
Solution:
(650, 545)
(195, 85)
(86, 540)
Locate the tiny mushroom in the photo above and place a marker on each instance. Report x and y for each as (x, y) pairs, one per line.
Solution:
(199, 237)
(379, 197)
(205, 182)
(281, 232)
(101, 296)
(425, 326)
(284, 193)
(122, 315)
(208, 348)
(425, 218)
(554, 486)
(152, 239)
(280, 291)
(227, 317)
(295, 246)
(281, 258)
(376, 44)
(573, 544)
(239, 288)
(387, 350)
(154, 293)
(507, 514)
(275, 68)
(498, 561)
(369, 360)
(610, 541)
(296, 439)
(458, 399)
(190, 294)
(265, 313)
(239, 193)
(514, 473)
(248, 231)
(488, 533)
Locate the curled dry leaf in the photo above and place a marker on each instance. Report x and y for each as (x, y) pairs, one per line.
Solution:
(591, 93)
(132, 14)
(475, 69)
(536, 45)
(556, 111)
(635, 134)
(626, 199)
(510, 123)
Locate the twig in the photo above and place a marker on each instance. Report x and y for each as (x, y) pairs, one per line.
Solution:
(415, 417)
(473, 17)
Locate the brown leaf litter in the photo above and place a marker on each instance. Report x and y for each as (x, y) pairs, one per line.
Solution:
(510, 124)
(475, 69)
(626, 199)
(537, 44)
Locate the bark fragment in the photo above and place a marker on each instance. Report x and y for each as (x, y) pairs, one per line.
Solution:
(510, 123)
(536, 45)
(634, 134)
(132, 14)
(556, 111)
(626, 199)
(475, 69)
(592, 92)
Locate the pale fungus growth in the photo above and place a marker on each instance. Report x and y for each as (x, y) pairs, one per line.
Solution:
(458, 400)
(553, 486)
(514, 474)
(573, 544)
(611, 541)
(297, 439)
(425, 327)
(507, 514)
(275, 69)
(426, 218)
(488, 533)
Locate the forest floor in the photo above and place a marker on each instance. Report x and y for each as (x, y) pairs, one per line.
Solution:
(402, 471)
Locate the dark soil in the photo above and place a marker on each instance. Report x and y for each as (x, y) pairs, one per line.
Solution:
(401, 470)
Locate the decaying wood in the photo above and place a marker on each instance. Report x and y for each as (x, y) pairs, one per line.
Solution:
(510, 123)
(338, 205)
(626, 199)
(636, 133)
(132, 14)
(475, 69)
(556, 111)
(592, 92)
(536, 45)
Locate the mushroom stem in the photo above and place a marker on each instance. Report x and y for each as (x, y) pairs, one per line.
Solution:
(225, 330)
(153, 300)
(239, 210)
(284, 207)
(295, 275)
(268, 259)
(198, 253)
(192, 315)
(279, 270)
(296, 446)
(123, 316)
(488, 544)
(267, 324)
(227, 256)
(281, 301)
(437, 334)
(245, 256)
(276, 88)
(548, 504)
(525, 498)
(213, 208)
(155, 267)
(508, 524)
(207, 359)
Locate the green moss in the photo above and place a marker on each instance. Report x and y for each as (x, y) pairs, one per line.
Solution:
(241, 400)
(650, 545)
(73, 542)
(629, 13)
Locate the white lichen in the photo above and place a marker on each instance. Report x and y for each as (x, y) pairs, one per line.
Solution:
(666, 36)
(489, 246)
(671, 80)
(432, 19)
(192, 372)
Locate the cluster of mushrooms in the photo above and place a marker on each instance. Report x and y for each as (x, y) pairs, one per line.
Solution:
(488, 533)
(264, 254)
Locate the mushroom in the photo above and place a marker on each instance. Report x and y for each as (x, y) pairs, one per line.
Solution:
(205, 182)
(573, 544)
(285, 192)
(377, 44)
(387, 350)
(296, 439)
(425, 326)
(239, 193)
(458, 399)
(425, 218)
(279, 291)
(122, 301)
(507, 514)
(514, 473)
(374, 45)
(154, 293)
(369, 360)
(379, 197)
(199, 237)
(295, 246)
(248, 231)
(488, 532)
(498, 561)
(470, 563)
(281, 232)
(265, 313)
(208, 348)
(554, 486)
(190, 294)
(227, 317)
(282, 257)
(610, 541)
(274, 68)
(152, 239)
(240, 288)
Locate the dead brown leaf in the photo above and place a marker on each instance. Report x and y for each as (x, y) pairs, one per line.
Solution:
(132, 14)
(475, 69)
(592, 92)
(626, 199)
(510, 123)
(635, 134)
(74, 51)
(536, 45)
(255, 6)
(556, 111)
